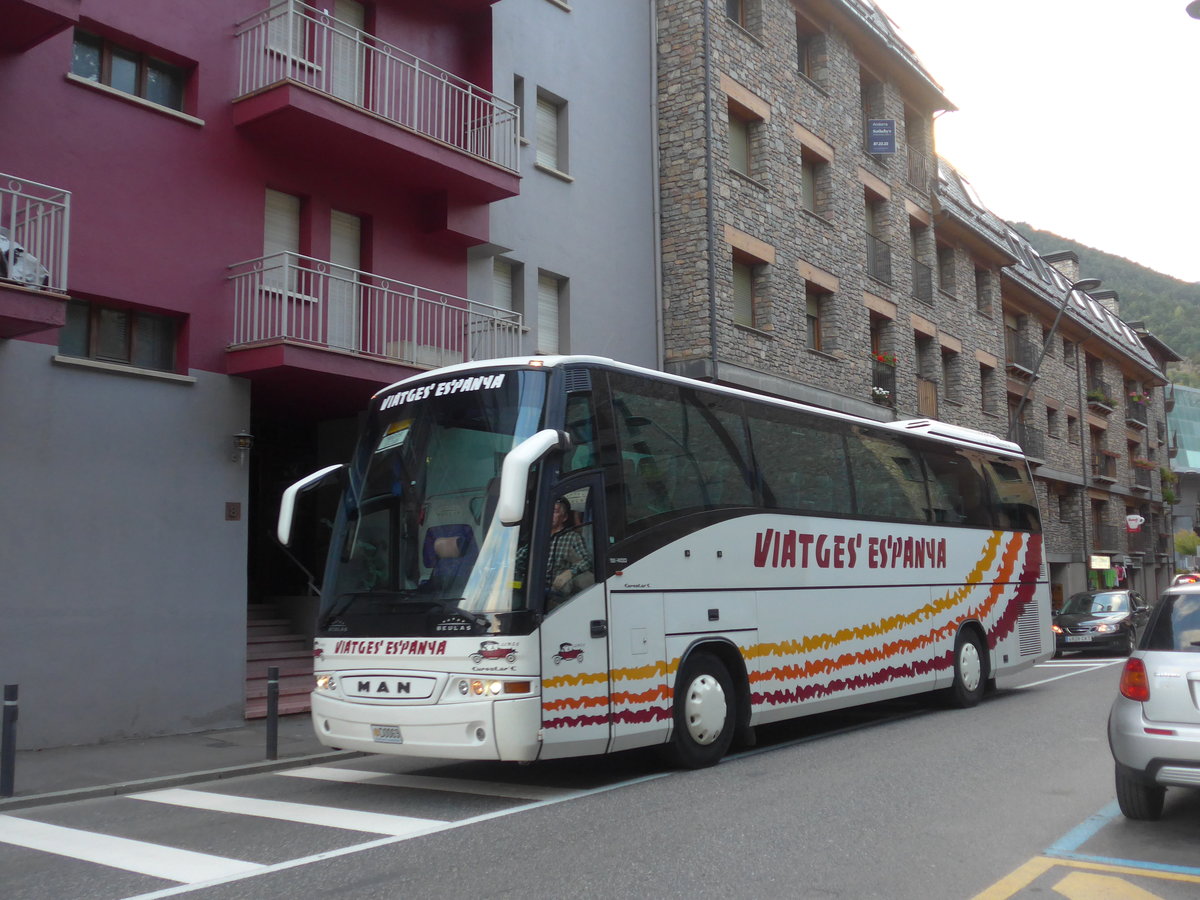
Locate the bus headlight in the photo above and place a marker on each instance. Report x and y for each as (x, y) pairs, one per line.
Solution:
(326, 683)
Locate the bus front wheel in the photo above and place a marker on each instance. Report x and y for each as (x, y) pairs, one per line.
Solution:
(970, 671)
(704, 712)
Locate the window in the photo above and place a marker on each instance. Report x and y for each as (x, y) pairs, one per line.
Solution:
(736, 10)
(551, 132)
(888, 479)
(871, 97)
(1052, 422)
(983, 291)
(782, 436)
(879, 251)
(1073, 430)
(519, 102)
(127, 336)
(950, 375)
(551, 291)
(987, 388)
(99, 60)
(813, 301)
(741, 150)
(811, 56)
(946, 273)
(281, 240)
(503, 283)
(743, 291)
(814, 182)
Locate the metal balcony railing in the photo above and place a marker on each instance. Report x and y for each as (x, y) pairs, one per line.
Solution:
(1107, 537)
(298, 299)
(1019, 352)
(1142, 477)
(922, 281)
(879, 258)
(1104, 466)
(35, 225)
(1098, 392)
(1032, 440)
(883, 383)
(294, 42)
(1135, 412)
(920, 170)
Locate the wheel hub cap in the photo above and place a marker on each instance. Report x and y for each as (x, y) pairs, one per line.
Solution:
(970, 666)
(704, 709)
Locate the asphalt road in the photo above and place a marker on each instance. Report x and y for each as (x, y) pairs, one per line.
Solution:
(899, 800)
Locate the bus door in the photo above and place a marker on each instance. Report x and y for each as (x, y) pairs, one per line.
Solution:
(574, 634)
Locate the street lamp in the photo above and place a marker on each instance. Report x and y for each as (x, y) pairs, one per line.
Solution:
(1193, 9)
(1085, 285)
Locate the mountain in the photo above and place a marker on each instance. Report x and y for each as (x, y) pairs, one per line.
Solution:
(1170, 308)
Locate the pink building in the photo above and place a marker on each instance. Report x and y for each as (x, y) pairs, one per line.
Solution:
(221, 223)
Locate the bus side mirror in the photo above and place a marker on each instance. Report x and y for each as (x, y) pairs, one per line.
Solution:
(287, 504)
(514, 474)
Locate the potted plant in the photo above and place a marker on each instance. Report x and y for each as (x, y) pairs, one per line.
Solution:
(1138, 397)
(1142, 463)
(881, 395)
(1095, 395)
(888, 359)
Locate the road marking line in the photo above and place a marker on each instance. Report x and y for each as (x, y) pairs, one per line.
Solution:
(429, 783)
(1086, 886)
(328, 816)
(1080, 671)
(155, 860)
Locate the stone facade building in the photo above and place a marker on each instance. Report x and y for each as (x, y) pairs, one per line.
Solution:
(815, 248)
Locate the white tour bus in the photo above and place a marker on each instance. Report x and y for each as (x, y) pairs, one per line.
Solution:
(549, 557)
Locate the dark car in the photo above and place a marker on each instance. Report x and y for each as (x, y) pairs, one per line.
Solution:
(1101, 620)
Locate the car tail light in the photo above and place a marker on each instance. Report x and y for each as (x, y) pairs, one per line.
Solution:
(1135, 685)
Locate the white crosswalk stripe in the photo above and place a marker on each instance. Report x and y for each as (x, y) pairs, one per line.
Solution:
(429, 783)
(328, 816)
(185, 866)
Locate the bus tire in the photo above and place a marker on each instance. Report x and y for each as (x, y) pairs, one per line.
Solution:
(970, 671)
(705, 709)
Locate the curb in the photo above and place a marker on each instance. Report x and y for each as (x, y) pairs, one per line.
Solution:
(164, 781)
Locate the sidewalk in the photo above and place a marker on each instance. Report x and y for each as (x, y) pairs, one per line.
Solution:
(77, 773)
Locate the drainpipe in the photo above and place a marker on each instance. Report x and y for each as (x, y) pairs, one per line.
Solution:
(711, 215)
(656, 194)
(1080, 359)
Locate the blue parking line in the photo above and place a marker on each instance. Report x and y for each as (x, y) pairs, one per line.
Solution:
(1069, 843)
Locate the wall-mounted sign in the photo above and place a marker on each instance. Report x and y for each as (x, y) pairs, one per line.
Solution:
(881, 135)
(1101, 562)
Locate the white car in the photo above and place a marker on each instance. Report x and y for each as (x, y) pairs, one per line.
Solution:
(1154, 724)
(18, 265)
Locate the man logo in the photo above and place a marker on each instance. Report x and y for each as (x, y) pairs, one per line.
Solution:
(384, 688)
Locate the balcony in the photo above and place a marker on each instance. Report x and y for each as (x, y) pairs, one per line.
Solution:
(1107, 537)
(1032, 440)
(287, 300)
(1020, 355)
(1143, 476)
(1169, 396)
(1104, 467)
(34, 228)
(29, 22)
(922, 282)
(879, 259)
(920, 171)
(308, 80)
(1135, 413)
(883, 383)
(1099, 397)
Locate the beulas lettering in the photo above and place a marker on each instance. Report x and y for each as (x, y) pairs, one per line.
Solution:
(794, 549)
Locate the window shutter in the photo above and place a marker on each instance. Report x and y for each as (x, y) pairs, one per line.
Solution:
(549, 290)
(502, 286)
(547, 133)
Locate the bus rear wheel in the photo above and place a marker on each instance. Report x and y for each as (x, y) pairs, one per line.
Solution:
(970, 671)
(705, 704)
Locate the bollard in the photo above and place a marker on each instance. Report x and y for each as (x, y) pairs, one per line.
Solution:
(273, 712)
(8, 741)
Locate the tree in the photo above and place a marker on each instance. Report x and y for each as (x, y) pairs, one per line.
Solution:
(1186, 543)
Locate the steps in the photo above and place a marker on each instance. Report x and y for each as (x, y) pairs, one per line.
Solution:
(272, 641)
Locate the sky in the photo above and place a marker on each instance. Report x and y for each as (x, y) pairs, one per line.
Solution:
(1080, 117)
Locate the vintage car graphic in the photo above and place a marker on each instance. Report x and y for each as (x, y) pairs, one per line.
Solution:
(568, 651)
(492, 650)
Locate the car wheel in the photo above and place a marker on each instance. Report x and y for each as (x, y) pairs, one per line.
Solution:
(704, 712)
(1137, 799)
(970, 665)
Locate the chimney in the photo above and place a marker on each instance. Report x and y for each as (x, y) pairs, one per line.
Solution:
(1067, 263)
(1109, 300)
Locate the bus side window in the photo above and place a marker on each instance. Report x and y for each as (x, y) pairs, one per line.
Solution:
(802, 462)
(581, 427)
(888, 479)
(957, 489)
(1013, 495)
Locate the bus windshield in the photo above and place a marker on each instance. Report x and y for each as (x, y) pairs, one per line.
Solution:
(416, 549)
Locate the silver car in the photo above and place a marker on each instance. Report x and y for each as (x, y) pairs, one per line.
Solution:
(1154, 725)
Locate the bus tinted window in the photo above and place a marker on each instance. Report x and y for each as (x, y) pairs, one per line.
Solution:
(1013, 496)
(680, 451)
(958, 492)
(889, 481)
(801, 461)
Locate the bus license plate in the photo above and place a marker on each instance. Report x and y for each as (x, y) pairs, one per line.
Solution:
(1078, 638)
(386, 734)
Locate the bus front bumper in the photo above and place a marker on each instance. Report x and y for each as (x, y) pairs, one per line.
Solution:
(487, 729)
